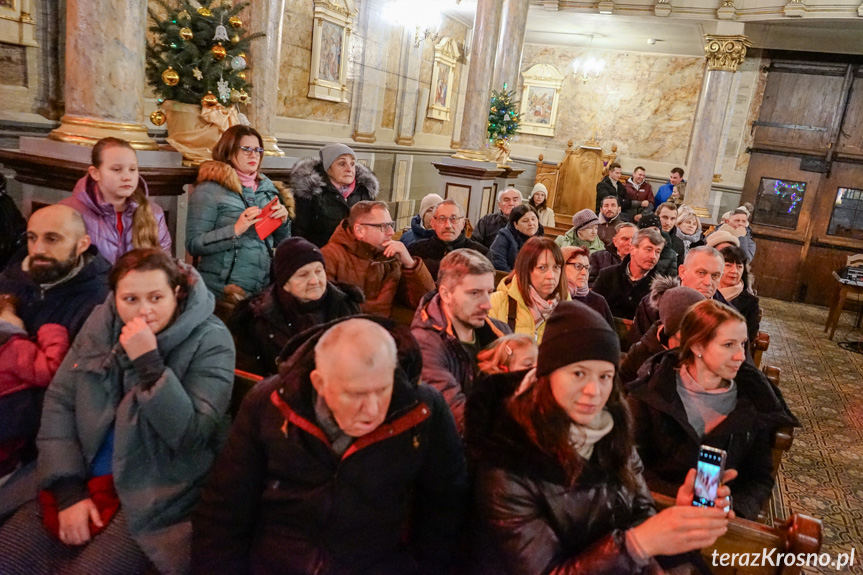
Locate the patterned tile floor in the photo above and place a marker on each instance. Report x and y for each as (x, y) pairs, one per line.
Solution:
(822, 475)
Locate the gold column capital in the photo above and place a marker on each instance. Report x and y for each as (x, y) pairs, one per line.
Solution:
(725, 53)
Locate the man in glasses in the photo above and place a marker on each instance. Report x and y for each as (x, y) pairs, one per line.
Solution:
(361, 252)
(447, 221)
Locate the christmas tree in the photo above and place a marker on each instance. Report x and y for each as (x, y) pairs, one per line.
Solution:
(198, 55)
(503, 121)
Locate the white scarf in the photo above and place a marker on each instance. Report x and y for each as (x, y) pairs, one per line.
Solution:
(584, 437)
(729, 293)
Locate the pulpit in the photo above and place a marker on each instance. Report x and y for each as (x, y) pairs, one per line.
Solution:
(572, 183)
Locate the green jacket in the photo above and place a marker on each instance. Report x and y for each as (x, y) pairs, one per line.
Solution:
(570, 238)
(165, 437)
(214, 207)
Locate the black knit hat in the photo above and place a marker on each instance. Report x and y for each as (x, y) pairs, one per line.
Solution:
(650, 221)
(575, 332)
(291, 255)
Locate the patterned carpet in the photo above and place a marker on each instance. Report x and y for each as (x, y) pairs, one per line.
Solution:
(823, 474)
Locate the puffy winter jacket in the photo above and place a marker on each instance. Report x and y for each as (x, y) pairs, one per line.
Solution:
(166, 435)
(320, 207)
(570, 238)
(214, 208)
(447, 366)
(381, 279)
(416, 232)
(281, 501)
(488, 227)
(507, 290)
(669, 445)
(100, 218)
(506, 245)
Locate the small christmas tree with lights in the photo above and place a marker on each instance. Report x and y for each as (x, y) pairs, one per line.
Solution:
(503, 122)
(198, 54)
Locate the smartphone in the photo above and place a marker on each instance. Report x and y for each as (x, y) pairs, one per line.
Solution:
(711, 467)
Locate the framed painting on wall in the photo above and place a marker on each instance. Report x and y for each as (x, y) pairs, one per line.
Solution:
(330, 45)
(460, 194)
(446, 53)
(540, 99)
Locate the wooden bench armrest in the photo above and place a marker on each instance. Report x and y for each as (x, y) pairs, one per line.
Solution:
(762, 341)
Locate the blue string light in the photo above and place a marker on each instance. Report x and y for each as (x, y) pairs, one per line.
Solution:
(781, 189)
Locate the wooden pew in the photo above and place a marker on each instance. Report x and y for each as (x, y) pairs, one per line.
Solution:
(797, 534)
(623, 326)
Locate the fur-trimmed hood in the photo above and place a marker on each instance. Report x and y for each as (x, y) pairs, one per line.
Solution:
(226, 176)
(659, 286)
(309, 179)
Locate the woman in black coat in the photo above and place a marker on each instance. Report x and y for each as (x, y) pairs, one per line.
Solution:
(577, 268)
(705, 393)
(558, 484)
(523, 225)
(325, 188)
(736, 288)
(300, 298)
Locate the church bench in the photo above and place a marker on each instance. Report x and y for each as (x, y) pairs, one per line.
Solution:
(798, 534)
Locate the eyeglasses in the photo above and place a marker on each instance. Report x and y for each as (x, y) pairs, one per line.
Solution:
(450, 219)
(579, 267)
(382, 227)
(248, 150)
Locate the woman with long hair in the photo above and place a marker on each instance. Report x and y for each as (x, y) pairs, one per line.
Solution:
(229, 198)
(705, 393)
(577, 269)
(523, 225)
(114, 202)
(558, 484)
(688, 229)
(527, 296)
(736, 287)
(538, 201)
(130, 427)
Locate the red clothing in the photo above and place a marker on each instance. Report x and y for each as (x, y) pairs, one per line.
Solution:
(25, 363)
(643, 192)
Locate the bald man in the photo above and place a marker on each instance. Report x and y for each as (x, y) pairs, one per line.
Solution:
(61, 277)
(332, 465)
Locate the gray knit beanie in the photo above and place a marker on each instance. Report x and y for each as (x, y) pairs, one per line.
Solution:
(331, 152)
(583, 219)
(673, 305)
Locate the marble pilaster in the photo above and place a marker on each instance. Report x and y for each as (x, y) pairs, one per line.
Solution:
(409, 90)
(486, 30)
(367, 99)
(266, 15)
(724, 54)
(104, 88)
(510, 44)
(455, 144)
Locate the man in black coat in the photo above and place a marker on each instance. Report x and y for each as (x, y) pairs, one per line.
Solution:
(611, 185)
(487, 227)
(341, 464)
(447, 221)
(624, 285)
(61, 277)
(613, 254)
(667, 213)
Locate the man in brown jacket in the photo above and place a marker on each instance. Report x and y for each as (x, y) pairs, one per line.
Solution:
(362, 252)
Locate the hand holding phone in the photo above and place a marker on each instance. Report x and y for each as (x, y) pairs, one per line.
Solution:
(711, 468)
(265, 224)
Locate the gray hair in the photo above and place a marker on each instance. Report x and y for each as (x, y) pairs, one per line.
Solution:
(650, 234)
(502, 192)
(449, 202)
(364, 337)
(622, 225)
(702, 250)
(460, 263)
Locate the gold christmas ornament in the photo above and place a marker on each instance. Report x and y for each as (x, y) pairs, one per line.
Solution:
(157, 117)
(242, 75)
(235, 21)
(183, 15)
(494, 110)
(219, 51)
(209, 100)
(235, 39)
(170, 77)
(244, 97)
(235, 95)
(204, 11)
(186, 33)
(242, 55)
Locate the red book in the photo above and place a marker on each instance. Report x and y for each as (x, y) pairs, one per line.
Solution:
(268, 225)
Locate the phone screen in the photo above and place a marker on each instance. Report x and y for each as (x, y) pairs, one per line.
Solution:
(708, 477)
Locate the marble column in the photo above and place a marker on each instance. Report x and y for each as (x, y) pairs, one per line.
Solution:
(409, 88)
(510, 45)
(265, 58)
(104, 87)
(724, 54)
(370, 85)
(474, 131)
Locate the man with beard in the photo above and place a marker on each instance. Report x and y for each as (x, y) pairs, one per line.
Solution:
(447, 221)
(452, 326)
(61, 278)
(610, 215)
(362, 252)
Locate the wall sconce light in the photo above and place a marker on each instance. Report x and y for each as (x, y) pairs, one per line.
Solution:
(425, 17)
(589, 67)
